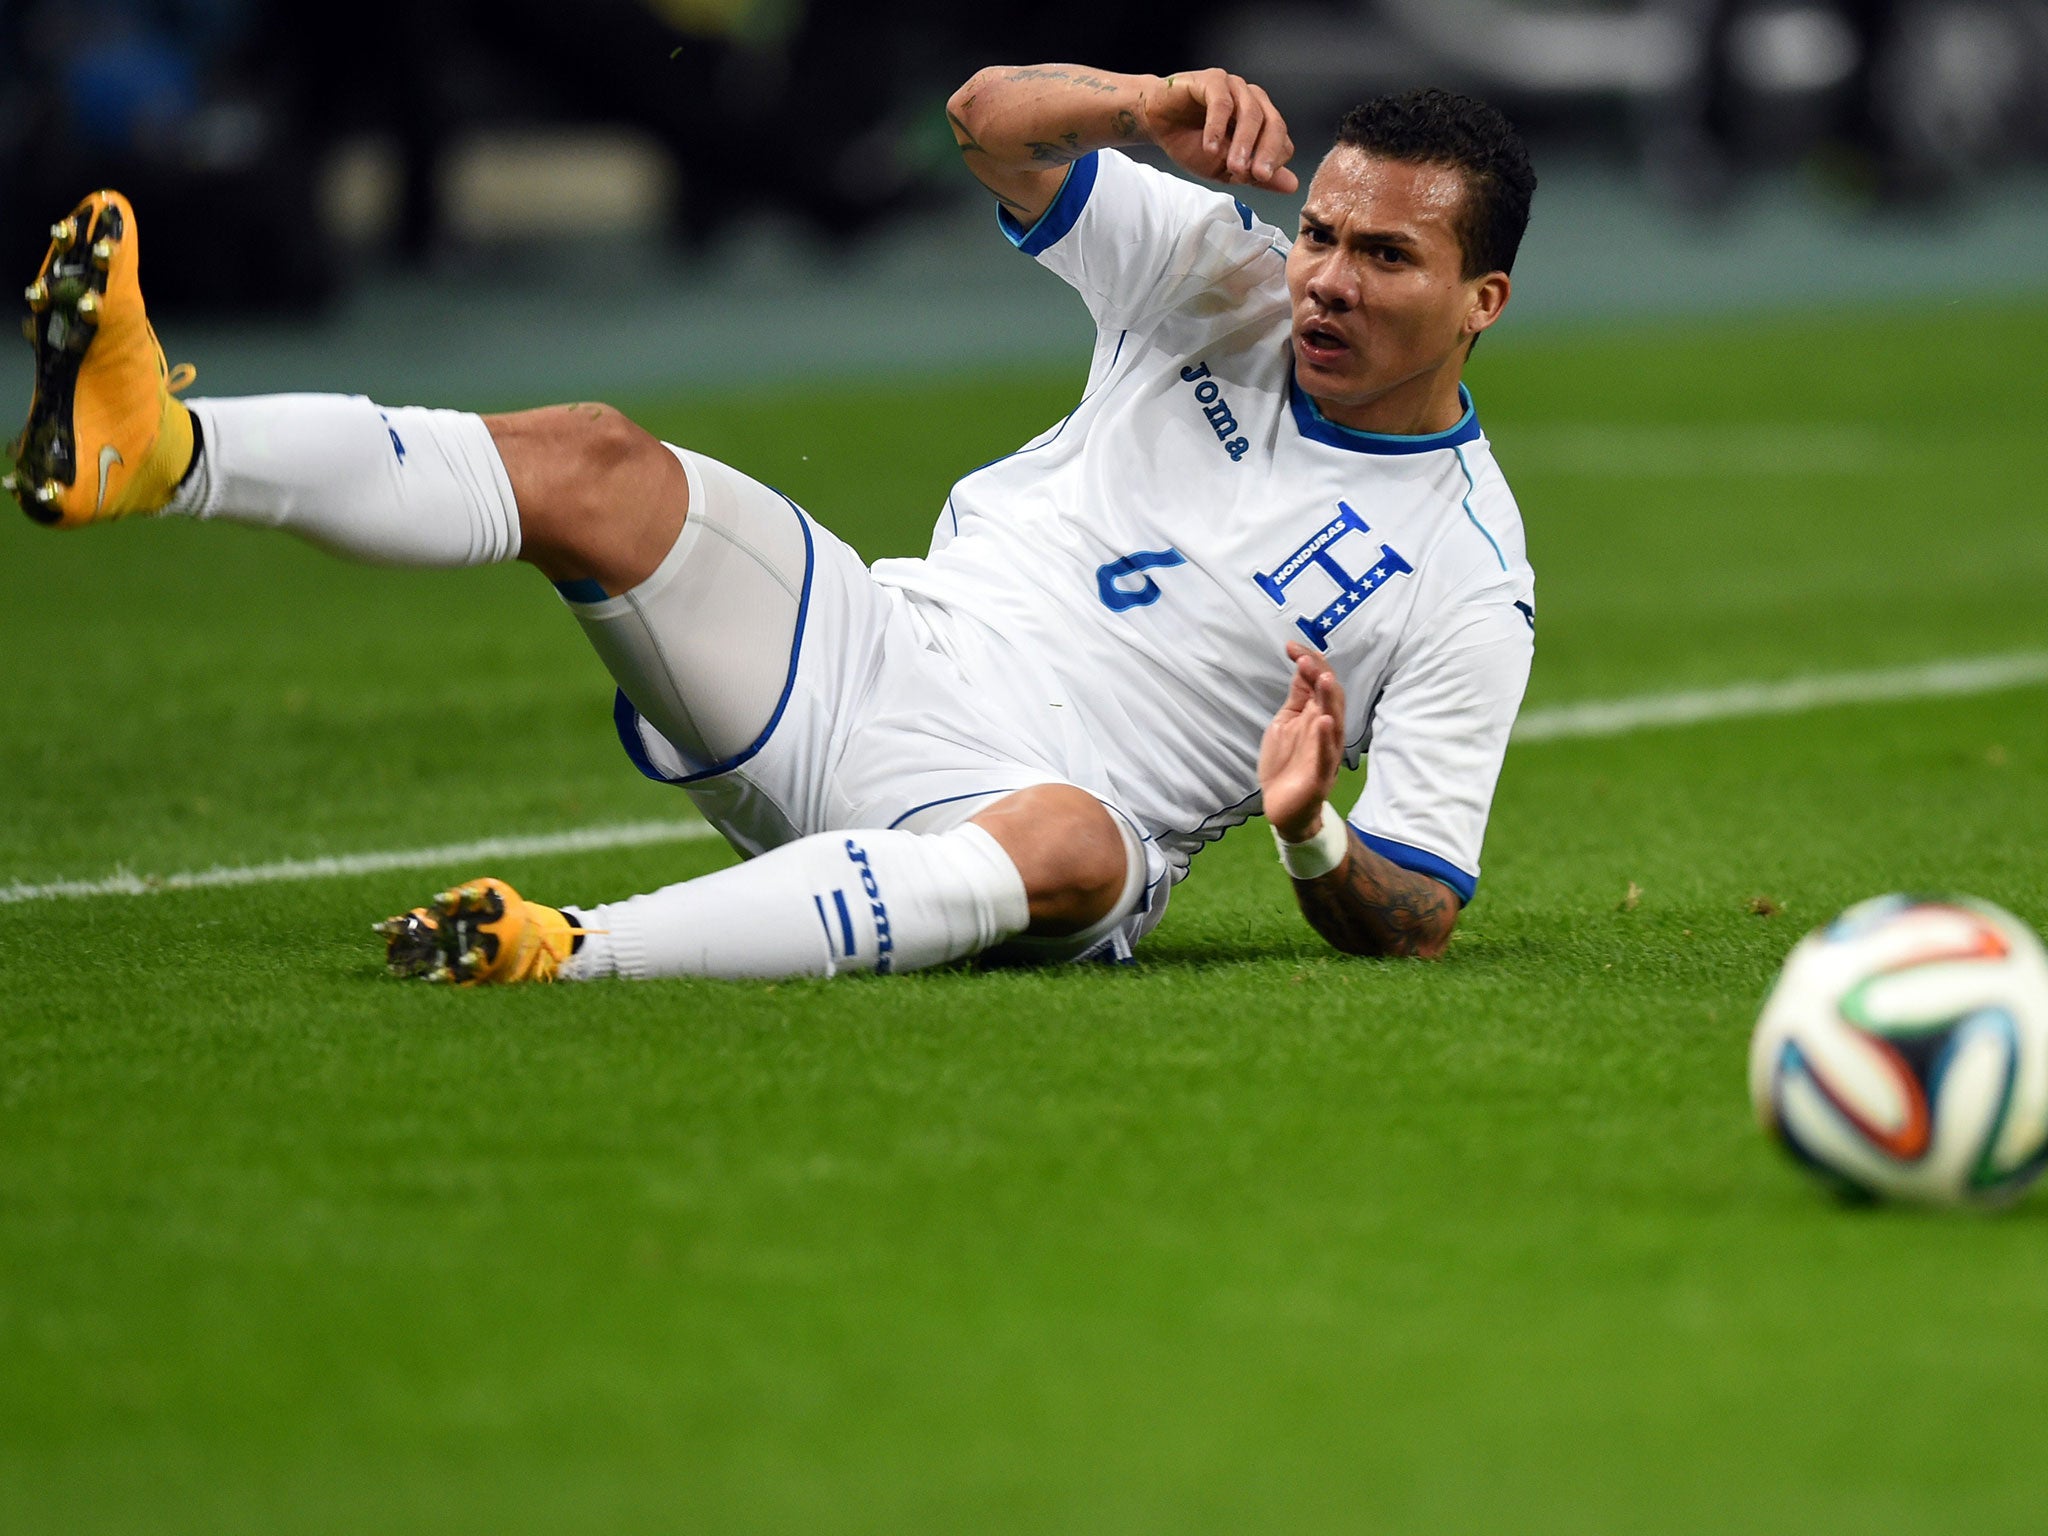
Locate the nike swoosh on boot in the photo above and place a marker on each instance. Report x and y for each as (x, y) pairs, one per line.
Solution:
(109, 457)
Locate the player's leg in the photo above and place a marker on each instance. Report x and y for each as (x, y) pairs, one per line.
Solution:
(771, 677)
(107, 438)
(1048, 863)
(601, 507)
(583, 492)
(577, 490)
(843, 902)
(390, 485)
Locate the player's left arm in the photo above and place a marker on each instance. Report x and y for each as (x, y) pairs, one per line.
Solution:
(1367, 905)
(1020, 126)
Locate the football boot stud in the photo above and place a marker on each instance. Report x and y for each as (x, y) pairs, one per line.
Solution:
(481, 932)
(106, 436)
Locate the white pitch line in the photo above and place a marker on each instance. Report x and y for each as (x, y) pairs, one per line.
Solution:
(587, 840)
(1939, 679)
(1613, 717)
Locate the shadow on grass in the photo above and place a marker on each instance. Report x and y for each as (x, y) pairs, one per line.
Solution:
(1470, 953)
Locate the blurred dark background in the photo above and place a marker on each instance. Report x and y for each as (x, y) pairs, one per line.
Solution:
(284, 152)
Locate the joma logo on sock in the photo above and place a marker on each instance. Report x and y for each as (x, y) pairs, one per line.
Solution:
(885, 944)
(1209, 395)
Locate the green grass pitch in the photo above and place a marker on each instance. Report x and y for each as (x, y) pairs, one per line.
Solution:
(1247, 1237)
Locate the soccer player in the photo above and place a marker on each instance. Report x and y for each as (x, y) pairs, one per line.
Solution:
(1270, 539)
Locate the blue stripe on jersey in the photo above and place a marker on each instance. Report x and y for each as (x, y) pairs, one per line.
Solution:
(1066, 207)
(1472, 485)
(1315, 425)
(626, 718)
(1420, 861)
(972, 794)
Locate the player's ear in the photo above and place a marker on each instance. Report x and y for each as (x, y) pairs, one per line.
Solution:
(1489, 298)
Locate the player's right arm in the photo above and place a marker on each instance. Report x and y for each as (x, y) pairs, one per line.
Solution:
(1020, 126)
(1367, 905)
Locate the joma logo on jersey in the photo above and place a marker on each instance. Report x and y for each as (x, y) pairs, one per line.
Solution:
(1319, 554)
(1209, 395)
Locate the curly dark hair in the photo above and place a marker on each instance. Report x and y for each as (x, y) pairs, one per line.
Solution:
(1439, 127)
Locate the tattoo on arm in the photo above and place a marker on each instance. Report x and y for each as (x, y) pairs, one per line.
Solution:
(1037, 72)
(1125, 124)
(1371, 906)
(968, 144)
(1065, 151)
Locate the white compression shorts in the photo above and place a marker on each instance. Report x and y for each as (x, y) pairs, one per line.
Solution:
(763, 670)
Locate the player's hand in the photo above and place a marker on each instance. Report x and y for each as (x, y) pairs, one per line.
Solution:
(1222, 127)
(1303, 748)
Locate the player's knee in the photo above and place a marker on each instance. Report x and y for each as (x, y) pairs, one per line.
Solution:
(1091, 881)
(571, 457)
(607, 440)
(593, 450)
(1070, 852)
(599, 496)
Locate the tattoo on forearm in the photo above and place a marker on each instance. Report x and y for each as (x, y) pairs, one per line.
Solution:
(1373, 907)
(1125, 124)
(1064, 151)
(1086, 82)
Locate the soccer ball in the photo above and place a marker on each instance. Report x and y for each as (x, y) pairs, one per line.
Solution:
(1904, 1052)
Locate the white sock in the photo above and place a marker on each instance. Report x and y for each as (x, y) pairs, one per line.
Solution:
(393, 485)
(833, 902)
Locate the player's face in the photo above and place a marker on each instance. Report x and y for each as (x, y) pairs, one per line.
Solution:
(1382, 308)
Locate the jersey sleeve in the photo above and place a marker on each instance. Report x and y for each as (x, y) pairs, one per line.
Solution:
(1136, 242)
(1439, 731)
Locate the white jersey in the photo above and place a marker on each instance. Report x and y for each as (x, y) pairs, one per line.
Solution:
(1145, 562)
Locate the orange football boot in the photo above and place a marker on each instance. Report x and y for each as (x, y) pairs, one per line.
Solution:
(479, 932)
(106, 436)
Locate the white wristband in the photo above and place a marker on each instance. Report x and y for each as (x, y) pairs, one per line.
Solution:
(1321, 853)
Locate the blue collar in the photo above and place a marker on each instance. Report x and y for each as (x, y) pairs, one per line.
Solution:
(1314, 424)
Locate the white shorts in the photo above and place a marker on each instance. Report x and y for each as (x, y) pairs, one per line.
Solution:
(764, 671)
